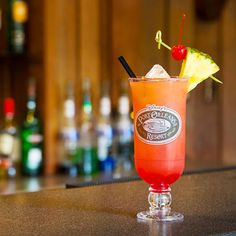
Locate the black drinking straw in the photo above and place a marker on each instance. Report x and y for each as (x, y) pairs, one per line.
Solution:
(126, 66)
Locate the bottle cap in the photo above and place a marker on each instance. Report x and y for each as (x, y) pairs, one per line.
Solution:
(9, 106)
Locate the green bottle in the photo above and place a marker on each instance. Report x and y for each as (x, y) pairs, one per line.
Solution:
(87, 141)
(31, 137)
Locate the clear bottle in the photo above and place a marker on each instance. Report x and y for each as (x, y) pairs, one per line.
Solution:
(87, 142)
(31, 136)
(17, 18)
(68, 135)
(105, 136)
(124, 137)
(9, 141)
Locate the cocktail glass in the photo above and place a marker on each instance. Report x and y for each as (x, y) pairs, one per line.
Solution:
(159, 106)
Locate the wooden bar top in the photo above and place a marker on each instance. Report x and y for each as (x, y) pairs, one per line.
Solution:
(208, 202)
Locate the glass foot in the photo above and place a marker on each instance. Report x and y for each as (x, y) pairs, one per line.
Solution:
(160, 216)
(160, 209)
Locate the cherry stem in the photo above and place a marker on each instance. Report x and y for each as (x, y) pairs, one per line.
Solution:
(159, 41)
(181, 29)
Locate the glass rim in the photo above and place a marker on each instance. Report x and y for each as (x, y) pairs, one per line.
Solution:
(144, 79)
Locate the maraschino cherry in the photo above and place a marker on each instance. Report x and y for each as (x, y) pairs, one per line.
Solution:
(179, 52)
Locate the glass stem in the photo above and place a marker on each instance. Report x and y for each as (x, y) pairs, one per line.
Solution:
(160, 202)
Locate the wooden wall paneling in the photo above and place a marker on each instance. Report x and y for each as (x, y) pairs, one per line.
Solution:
(35, 30)
(202, 130)
(106, 45)
(4, 72)
(70, 47)
(152, 18)
(176, 9)
(18, 82)
(207, 121)
(60, 60)
(5, 85)
(228, 37)
(135, 24)
(90, 46)
(125, 41)
(77, 81)
(3, 34)
(50, 83)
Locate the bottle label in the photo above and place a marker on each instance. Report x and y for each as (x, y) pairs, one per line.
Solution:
(35, 138)
(69, 134)
(34, 158)
(104, 141)
(157, 125)
(124, 131)
(20, 11)
(103, 146)
(18, 37)
(15, 156)
(6, 144)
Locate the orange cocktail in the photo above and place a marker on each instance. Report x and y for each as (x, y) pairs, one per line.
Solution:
(159, 131)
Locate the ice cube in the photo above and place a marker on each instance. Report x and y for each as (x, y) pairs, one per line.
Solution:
(157, 71)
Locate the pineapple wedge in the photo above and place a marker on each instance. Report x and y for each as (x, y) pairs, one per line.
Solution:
(197, 66)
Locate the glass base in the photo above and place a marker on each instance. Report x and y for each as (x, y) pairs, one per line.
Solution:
(160, 215)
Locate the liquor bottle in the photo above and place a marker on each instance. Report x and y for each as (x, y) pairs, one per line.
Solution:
(124, 136)
(87, 142)
(68, 135)
(105, 136)
(17, 18)
(31, 136)
(9, 141)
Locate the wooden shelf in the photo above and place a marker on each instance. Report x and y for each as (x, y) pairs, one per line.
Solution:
(26, 58)
(21, 58)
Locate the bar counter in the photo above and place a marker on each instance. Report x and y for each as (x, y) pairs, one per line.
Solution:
(207, 200)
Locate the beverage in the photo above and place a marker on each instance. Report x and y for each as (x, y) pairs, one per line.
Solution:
(124, 136)
(159, 105)
(31, 136)
(9, 141)
(105, 136)
(87, 142)
(159, 124)
(17, 17)
(68, 136)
